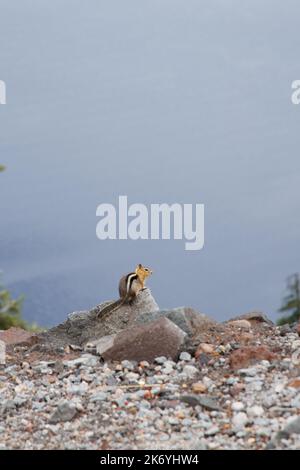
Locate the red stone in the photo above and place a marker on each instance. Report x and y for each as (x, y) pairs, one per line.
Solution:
(146, 342)
(16, 335)
(248, 355)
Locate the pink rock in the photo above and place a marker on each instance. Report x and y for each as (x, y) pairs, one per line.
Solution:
(248, 355)
(243, 324)
(16, 335)
(204, 348)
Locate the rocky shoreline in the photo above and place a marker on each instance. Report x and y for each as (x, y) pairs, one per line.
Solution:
(150, 379)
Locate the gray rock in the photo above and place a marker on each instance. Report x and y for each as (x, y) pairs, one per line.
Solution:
(258, 317)
(209, 403)
(85, 359)
(231, 381)
(186, 318)
(255, 411)
(250, 372)
(285, 329)
(293, 427)
(198, 445)
(79, 389)
(191, 400)
(212, 431)
(84, 327)
(206, 402)
(104, 343)
(64, 412)
(295, 402)
(7, 406)
(239, 421)
(20, 401)
(167, 370)
(2, 353)
(160, 359)
(185, 356)
(130, 365)
(190, 371)
(101, 396)
(237, 406)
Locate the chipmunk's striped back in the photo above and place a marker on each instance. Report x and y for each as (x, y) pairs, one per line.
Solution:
(129, 287)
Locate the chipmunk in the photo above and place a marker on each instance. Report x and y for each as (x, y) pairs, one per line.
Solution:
(129, 287)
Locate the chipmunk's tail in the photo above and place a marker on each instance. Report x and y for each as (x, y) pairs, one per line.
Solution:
(110, 308)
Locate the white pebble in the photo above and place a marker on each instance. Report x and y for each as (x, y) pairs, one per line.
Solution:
(185, 356)
(255, 411)
(237, 406)
(239, 420)
(190, 371)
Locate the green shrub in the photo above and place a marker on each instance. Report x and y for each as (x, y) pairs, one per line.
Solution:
(10, 311)
(291, 302)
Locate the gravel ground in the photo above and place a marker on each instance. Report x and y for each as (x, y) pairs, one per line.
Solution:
(75, 401)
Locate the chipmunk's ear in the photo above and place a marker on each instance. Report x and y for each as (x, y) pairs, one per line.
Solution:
(140, 266)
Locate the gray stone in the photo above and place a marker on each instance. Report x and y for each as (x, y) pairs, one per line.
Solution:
(2, 353)
(295, 402)
(258, 317)
(190, 371)
(250, 372)
(237, 406)
(255, 411)
(85, 359)
(160, 359)
(285, 329)
(191, 400)
(205, 401)
(293, 427)
(101, 396)
(128, 365)
(7, 406)
(186, 318)
(185, 356)
(104, 343)
(239, 420)
(79, 389)
(85, 326)
(198, 445)
(212, 431)
(64, 412)
(209, 403)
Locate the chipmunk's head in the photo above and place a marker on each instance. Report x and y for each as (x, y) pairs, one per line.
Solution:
(143, 272)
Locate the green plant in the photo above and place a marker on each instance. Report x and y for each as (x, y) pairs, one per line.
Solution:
(10, 311)
(291, 301)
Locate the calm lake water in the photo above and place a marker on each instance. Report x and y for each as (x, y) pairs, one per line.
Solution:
(162, 102)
